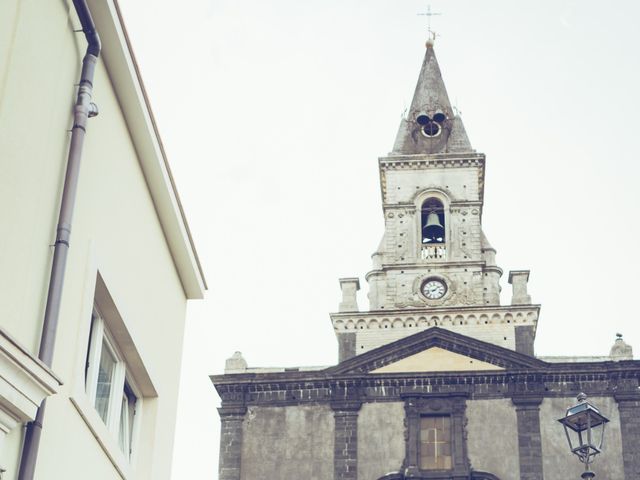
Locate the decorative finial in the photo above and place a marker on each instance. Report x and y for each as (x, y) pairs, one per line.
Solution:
(621, 350)
(235, 364)
(431, 34)
(582, 397)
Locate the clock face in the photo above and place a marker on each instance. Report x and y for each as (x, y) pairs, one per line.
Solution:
(434, 289)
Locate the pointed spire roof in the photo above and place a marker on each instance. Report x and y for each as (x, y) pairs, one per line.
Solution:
(430, 91)
(431, 126)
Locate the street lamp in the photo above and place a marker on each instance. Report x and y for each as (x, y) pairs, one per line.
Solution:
(584, 427)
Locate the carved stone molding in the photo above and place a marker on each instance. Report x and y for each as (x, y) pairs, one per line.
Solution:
(232, 411)
(527, 401)
(452, 405)
(436, 316)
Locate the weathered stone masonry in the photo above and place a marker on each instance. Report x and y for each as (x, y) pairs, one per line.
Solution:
(345, 447)
(529, 438)
(347, 386)
(629, 408)
(437, 380)
(231, 441)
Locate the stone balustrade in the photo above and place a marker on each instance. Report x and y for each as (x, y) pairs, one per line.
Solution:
(433, 252)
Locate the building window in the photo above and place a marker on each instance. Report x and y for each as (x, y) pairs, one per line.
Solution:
(435, 446)
(108, 384)
(435, 443)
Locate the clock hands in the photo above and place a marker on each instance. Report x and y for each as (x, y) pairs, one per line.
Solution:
(433, 289)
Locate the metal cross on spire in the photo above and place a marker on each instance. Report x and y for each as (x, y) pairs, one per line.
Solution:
(429, 14)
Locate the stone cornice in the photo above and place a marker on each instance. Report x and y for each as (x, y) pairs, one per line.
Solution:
(432, 310)
(415, 318)
(632, 396)
(527, 401)
(524, 378)
(442, 264)
(553, 380)
(232, 411)
(412, 206)
(423, 162)
(434, 159)
(24, 381)
(346, 407)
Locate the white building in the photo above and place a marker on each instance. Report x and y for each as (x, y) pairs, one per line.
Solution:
(110, 373)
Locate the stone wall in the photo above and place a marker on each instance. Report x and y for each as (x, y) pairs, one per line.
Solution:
(492, 437)
(288, 442)
(380, 439)
(558, 462)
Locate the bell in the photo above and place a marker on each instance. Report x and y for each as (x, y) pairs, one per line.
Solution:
(433, 230)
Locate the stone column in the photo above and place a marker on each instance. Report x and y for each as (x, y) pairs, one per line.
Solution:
(529, 438)
(231, 419)
(629, 409)
(518, 280)
(345, 446)
(349, 287)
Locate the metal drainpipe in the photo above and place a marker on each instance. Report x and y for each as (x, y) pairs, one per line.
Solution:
(84, 108)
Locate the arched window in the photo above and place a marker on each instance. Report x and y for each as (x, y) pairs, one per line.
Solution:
(432, 221)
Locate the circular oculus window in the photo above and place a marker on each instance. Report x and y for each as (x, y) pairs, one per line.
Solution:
(431, 129)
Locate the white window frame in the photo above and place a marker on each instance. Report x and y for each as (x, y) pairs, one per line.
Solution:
(100, 337)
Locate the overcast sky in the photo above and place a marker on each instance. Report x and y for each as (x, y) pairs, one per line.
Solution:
(273, 114)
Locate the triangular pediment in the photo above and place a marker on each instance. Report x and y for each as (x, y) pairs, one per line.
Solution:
(437, 350)
(436, 359)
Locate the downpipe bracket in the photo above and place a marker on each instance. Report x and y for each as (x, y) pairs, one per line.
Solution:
(93, 110)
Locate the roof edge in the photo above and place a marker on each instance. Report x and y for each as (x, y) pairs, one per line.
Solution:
(128, 85)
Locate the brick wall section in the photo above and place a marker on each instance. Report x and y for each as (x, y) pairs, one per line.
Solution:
(230, 443)
(529, 438)
(345, 455)
(629, 408)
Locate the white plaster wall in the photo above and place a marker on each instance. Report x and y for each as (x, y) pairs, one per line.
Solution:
(115, 230)
(558, 462)
(36, 99)
(492, 439)
(10, 450)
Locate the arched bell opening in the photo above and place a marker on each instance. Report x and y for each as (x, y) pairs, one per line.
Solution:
(433, 222)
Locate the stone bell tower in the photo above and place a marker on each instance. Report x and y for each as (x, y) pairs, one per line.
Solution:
(434, 265)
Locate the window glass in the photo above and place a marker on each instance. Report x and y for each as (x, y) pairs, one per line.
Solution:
(105, 379)
(108, 384)
(435, 443)
(127, 414)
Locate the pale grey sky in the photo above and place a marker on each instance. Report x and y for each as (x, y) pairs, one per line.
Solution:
(274, 113)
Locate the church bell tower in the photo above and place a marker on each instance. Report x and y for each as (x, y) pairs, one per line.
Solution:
(434, 265)
(436, 365)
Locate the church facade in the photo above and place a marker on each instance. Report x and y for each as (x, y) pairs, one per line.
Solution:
(437, 379)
